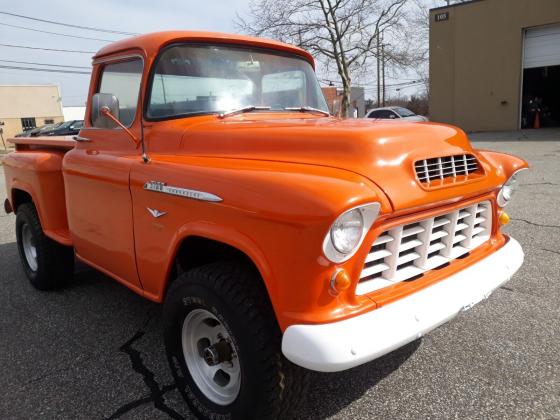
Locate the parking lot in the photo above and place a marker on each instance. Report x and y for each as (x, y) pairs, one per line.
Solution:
(94, 351)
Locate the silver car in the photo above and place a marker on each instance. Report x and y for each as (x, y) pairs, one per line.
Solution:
(395, 112)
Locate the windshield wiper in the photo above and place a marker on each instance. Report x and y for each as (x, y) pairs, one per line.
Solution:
(248, 108)
(308, 109)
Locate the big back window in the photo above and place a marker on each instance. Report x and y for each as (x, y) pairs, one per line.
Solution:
(198, 79)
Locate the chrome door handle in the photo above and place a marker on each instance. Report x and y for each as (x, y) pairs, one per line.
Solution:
(80, 138)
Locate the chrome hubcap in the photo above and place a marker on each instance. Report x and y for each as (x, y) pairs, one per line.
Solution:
(210, 356)
(29, 249)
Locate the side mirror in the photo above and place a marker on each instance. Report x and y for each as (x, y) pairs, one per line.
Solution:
(107, 101)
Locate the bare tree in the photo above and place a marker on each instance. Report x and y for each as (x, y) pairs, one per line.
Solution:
(345, 34)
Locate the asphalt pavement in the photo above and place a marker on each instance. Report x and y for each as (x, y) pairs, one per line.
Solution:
(94, 350)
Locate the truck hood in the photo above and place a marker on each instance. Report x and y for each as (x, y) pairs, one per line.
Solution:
(383, 151)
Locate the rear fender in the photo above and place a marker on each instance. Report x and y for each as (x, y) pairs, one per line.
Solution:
(39, 174)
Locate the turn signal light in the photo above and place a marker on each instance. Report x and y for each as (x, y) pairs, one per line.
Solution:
(340, 281)
(503, 218)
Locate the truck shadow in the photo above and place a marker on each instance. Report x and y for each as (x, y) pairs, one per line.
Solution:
(330, 393)
(125, 333)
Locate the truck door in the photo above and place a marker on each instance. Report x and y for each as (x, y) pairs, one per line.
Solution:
(97, 175)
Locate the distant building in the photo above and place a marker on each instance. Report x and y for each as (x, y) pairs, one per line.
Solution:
(495, 64)
(23, 107)
(333, 96)
(73, 112)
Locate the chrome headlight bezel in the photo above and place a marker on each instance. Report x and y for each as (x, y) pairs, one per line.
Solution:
(508, 189)
(367, 215)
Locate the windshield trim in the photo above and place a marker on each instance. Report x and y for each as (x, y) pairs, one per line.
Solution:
(151, 75)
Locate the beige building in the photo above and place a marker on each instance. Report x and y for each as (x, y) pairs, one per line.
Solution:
(23, 107)
(495, 64)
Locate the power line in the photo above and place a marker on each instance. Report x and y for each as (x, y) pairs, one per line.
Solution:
(56, 33)
(44, 70)
(46, 49)
(45, 64)
(89, 28)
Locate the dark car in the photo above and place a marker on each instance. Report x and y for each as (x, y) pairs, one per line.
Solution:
(67, 128)
(34, 132)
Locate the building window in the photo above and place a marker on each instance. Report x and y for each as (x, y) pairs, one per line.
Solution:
(28, 123)
(49, 121)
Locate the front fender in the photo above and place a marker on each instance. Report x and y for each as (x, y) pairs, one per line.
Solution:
(276, 213)
(502, 164)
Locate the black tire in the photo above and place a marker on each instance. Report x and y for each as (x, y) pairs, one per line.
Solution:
(54, 263)
(271, 386)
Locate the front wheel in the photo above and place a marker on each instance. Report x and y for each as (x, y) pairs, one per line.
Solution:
(223, 346)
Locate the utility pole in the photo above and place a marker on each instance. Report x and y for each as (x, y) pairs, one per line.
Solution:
(383, 69)
(378, 72)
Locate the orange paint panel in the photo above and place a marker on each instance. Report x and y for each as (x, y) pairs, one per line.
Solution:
(39, 174)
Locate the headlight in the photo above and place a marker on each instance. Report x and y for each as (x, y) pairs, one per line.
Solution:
(347, 232)
(506, 193)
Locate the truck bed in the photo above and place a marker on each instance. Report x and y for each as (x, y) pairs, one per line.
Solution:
(34, 172)
(56, 142)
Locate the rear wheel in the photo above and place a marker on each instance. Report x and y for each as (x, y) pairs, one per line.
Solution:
(47, 264)
(223, 346)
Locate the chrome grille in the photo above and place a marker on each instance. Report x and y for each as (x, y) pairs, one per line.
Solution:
(428, 170)
(408, 251)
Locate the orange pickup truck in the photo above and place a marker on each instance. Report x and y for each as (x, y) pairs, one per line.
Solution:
(210, 177)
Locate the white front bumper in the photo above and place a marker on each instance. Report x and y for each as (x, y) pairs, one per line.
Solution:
(341, 345)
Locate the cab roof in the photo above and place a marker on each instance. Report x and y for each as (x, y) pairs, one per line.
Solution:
(151, 43)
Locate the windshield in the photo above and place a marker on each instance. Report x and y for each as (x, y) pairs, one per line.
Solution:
(403, 112)
(199, 79)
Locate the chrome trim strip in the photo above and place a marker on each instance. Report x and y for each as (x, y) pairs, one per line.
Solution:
(117, 58)
(162, 187)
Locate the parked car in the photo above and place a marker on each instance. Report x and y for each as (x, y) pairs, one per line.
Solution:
(33, 132)
(395, 112)
(210, 177)
(68, 128)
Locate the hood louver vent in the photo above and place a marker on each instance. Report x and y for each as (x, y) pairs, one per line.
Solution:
(428, 170)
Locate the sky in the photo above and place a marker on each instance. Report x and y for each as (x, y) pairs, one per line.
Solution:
(138, 16)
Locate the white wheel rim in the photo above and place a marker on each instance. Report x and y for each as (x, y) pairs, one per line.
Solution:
(219, 383)
(29, 248)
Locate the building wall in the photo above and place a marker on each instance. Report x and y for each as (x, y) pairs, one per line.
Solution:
(476, 61)
(333, 96)
(73, 112)
(41, 102)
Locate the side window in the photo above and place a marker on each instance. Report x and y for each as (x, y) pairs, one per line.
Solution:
(375, 114)
(123, 80)
(385, 114)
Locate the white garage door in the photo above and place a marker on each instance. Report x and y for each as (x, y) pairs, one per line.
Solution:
(542, 47)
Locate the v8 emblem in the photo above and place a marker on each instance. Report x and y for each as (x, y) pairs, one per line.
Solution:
(156, 213)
